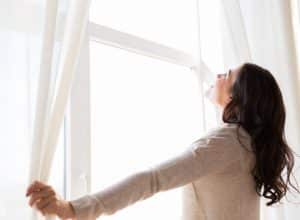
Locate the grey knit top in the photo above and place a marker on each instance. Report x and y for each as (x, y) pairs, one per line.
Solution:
(214, 172)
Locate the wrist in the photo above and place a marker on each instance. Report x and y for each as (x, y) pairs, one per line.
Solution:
(72, 211)
(66, 210)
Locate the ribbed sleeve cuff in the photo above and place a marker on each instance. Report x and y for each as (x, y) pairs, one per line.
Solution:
(87, 207)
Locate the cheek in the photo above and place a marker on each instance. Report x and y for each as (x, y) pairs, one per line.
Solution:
(219, 87)
(219, 91)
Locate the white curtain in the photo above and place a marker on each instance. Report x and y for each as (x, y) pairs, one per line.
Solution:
(53, 92)
(42, 38)
(261, 31)
(20, 27)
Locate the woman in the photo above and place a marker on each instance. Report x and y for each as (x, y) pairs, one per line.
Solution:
(224, 172)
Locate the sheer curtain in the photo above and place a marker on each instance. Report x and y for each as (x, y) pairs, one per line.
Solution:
(53, 94)
(50, 34)
(20, 28)
(262, 32)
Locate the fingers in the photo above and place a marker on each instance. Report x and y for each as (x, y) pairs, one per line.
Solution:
(43, 196)
(35, 186)
(41, 204)
(40, 195)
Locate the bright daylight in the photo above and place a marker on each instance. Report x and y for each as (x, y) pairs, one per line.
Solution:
(152, 110)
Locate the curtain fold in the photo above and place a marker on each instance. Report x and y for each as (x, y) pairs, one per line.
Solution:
(262, 32)
(51, 102)
(237, 47)
(43, 96)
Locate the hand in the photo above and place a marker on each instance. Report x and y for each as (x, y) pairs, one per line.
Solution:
(48, 202)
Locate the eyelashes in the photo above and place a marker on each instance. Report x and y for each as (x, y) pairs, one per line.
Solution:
(221, 75)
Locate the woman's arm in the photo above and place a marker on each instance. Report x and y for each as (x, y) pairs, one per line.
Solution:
(209, 154)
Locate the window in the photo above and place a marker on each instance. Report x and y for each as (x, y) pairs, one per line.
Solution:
(142, 101)
(169, 22)
(143, 111)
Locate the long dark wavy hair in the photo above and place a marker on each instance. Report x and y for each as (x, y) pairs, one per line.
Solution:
(257, 105)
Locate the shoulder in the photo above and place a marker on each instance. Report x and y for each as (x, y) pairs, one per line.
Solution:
(217, 148)
(223, 131)
(223, 136)
(230, 130)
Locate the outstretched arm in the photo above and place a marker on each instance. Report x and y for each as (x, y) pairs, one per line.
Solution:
(209, 154)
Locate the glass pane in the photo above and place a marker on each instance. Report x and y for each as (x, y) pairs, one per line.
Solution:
(169, 22)
(143, 111)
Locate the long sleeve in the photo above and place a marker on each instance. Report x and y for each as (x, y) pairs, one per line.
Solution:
(210, 154)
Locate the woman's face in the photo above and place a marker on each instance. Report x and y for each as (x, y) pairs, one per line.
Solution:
(221, 88)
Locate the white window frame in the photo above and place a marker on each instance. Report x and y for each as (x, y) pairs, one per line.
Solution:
(78, 117)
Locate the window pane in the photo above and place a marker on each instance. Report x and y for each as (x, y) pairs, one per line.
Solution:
(143, 111)
(170, 22)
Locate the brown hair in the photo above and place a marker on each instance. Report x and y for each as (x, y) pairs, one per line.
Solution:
(257, 105)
